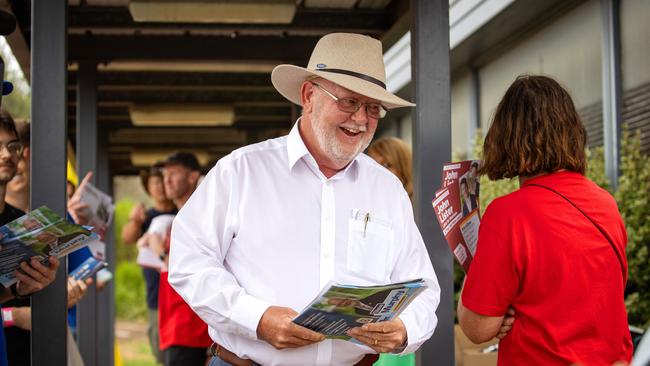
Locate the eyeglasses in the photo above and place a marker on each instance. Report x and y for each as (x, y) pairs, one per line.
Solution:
(14, 147)
(351, 105)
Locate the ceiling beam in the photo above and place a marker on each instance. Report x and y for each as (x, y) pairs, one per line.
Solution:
(176, 78)
(147, 47)
(306, 20)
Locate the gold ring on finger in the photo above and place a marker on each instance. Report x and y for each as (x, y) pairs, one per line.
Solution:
(375, 341)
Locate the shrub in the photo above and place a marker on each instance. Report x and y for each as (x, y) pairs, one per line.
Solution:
(634, 204)
(120, 218)
(129, 292)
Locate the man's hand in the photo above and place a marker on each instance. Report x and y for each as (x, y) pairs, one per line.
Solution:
(154, 241)
(35, 276)
(138, 214)
(277, 329)
(77, 290)
(77, 209)
(383, 337)
(508, 320)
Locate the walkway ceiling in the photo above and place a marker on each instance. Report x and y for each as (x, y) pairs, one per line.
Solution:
(209, 58)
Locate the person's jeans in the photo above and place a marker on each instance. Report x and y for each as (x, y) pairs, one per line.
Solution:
(216, 361)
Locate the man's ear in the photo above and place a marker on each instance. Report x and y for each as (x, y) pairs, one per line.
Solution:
(194, 176)
(306, 96)
(27, 153)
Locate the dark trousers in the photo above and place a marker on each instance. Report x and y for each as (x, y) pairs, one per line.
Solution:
(184, 356)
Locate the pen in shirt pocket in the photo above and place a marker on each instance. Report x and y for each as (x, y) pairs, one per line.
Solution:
(358, 214)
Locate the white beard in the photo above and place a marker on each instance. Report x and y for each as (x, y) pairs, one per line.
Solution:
(332, 147)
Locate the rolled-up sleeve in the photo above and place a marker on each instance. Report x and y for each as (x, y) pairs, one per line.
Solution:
(201, 235)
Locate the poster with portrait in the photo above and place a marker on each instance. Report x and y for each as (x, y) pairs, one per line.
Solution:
(457, 209)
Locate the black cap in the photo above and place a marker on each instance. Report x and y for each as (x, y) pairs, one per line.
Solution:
(185, 159)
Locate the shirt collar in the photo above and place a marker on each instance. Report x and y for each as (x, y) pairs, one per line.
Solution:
(296, 150)
(295, 145)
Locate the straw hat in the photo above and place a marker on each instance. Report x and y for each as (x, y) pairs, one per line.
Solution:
(353, 61)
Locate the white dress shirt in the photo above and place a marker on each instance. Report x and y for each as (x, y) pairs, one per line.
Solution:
(266, 227)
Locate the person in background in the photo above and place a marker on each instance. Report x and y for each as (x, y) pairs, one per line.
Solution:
(138, 224)
(32, 276)
(184, 336)
(554, 250)
(394, 155)
(18, 187)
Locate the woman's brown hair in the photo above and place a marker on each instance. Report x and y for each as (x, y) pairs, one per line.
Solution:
(535, 130)
(397, 155)
(154, 171)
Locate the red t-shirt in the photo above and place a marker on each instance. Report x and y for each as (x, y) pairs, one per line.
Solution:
(540, 255)
(178, 323)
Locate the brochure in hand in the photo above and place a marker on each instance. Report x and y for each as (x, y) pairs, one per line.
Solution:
(338, 308)
(39, 233)
(100, 207)
(88, 268)
(457, 208)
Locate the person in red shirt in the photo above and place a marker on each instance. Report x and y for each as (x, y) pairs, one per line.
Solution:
(184, 338)
(551, 253)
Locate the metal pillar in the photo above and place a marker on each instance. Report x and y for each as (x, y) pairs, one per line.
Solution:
(474, 109)
(431, 149)
(106, 297)
(612, 89)
(87, 161)
(48, 168)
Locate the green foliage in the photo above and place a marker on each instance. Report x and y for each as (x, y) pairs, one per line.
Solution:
(120, 218)
(634, 204)
(129, 292)
(596, 167)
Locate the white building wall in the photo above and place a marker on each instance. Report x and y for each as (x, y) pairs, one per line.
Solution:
(635, 42)
(460, 114)
(569, 49)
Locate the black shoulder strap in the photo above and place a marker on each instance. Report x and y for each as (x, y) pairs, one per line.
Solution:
(618, 255)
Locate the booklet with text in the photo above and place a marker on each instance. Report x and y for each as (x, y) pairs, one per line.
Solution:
(339, 308)
(39, 233)
(456, 206)
(88, 268)
(100, 208)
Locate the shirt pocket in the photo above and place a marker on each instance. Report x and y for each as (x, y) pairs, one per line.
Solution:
(370, 246)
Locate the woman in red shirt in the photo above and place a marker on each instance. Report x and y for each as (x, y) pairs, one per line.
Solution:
(554, 250)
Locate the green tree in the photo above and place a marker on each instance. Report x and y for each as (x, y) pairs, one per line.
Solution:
(633, 200)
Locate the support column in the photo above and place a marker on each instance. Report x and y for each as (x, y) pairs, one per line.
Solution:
(431, 149)
(474, 109)
(106, 297)
(612, 89)
(48, 167)
(87, 161)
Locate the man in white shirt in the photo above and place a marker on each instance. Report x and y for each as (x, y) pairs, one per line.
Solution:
(274, 222)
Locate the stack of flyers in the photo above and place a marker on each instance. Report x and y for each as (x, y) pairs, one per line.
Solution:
(40, 233)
